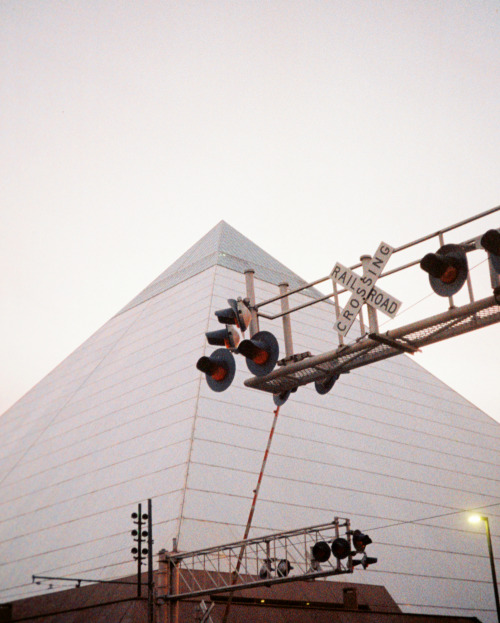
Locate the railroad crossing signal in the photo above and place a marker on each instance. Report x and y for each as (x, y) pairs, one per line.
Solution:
(364, 290)
(447, 269)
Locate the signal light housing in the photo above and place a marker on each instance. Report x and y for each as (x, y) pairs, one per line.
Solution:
(321, 551)
(360, 541)
(228, 337)
(341, 548)
(366, 561)
(280, 399)
(266, 570)
(283, 569)
(447, 269)
(490, 241)
(261, 352)
(237, 313)
(323, 387)
(219, 369)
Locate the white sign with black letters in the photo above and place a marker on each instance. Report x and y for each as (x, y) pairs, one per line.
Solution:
(364, 289)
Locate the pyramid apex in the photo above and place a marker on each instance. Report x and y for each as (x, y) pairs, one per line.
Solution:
(224, 246)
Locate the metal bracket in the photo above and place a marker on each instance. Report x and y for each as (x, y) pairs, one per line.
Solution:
(406, 347)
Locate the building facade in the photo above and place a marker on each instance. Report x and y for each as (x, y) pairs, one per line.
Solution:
(127, 417)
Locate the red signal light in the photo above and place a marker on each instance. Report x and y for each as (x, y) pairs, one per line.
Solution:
(261, 352)
(219, 369)
(447, 269)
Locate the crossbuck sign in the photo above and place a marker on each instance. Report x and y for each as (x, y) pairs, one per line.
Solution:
(364, 289)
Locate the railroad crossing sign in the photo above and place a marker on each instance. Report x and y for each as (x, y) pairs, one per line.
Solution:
(364, 289)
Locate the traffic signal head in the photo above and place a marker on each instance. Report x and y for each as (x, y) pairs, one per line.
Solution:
(237, 313)
(283, 569)
(228, 337)
(261, 352)
(360, 540)
(447, 269)
(323, 387)
(491, 242)
(219, 369)
(321, 551)
(341, 548)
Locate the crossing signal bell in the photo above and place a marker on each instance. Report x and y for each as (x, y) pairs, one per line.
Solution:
(447, 269)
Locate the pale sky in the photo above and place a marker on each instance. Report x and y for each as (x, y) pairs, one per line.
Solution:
(316, 129)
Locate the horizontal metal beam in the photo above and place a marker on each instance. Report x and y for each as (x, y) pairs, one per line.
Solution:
(451, 323)
(408, 245)
(251, 584)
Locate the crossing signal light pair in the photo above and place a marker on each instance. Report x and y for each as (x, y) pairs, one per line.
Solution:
(321, 551)
(238, 314)
(282, 569)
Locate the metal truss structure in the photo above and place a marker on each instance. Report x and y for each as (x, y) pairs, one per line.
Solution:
(372, 346)
(375, 346)
(272, 559)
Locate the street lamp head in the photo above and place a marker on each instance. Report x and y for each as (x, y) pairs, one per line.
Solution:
(476, 518)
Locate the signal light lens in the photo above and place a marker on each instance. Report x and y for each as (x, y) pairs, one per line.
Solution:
(341, 548)
(261, 352)
(321, 551)
(439, 267)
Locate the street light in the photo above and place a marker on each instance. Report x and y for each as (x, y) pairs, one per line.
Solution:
(477, 519)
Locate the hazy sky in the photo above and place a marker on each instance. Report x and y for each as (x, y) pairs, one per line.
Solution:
(317, 129)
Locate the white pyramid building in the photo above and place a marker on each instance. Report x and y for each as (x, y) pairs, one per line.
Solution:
(127, 417)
